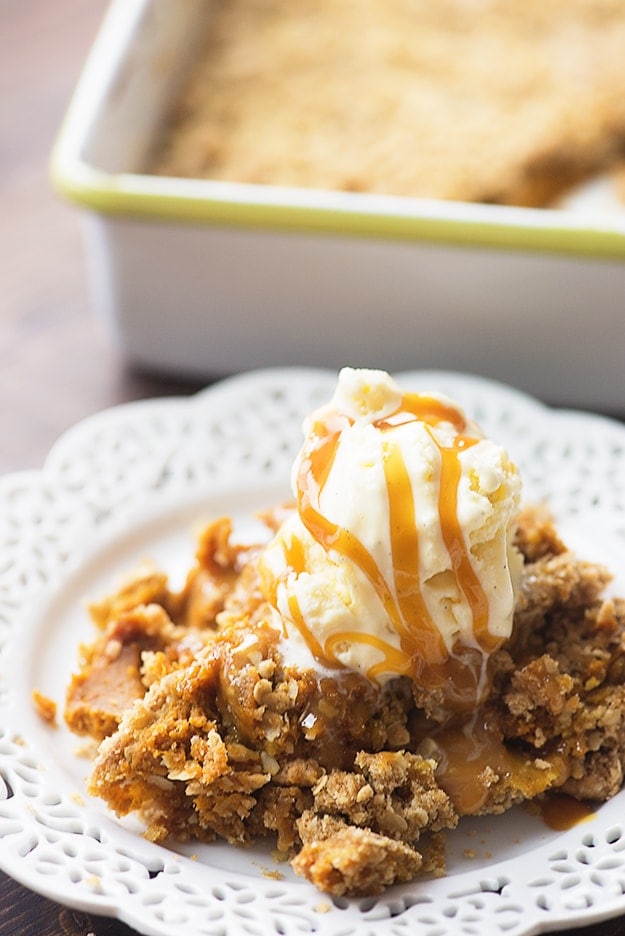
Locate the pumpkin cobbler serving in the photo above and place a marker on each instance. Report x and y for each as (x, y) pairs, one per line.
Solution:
(408, 646)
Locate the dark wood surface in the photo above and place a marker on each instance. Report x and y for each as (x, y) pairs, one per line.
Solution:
(56, 365)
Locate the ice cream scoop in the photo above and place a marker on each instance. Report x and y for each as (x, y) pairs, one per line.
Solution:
(398, 559)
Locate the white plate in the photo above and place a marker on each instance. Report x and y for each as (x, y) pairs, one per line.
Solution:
(134, 483)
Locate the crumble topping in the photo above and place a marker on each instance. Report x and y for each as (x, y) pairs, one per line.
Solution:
(206, 732)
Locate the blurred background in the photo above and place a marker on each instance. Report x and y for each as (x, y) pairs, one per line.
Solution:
(56, 365)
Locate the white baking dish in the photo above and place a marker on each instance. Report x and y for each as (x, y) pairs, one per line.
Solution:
(205, 278)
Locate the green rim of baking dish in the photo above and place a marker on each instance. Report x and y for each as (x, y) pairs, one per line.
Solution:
(206, 202)
(588, 233)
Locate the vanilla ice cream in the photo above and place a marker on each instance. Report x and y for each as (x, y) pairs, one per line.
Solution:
(398, 559)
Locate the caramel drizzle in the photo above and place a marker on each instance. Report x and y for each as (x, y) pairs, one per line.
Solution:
(465, 750)
(423, 654)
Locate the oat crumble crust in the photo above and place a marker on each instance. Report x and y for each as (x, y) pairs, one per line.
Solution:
(496, 101)
(206, 733)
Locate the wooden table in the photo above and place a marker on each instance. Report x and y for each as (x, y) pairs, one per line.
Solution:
(56, 366)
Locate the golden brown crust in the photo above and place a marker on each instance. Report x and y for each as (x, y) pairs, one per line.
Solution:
(345, 860)
(501, 102)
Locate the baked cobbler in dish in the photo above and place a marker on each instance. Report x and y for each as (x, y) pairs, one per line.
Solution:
(502, 101)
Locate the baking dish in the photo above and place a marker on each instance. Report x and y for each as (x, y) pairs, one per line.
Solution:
(205, 278)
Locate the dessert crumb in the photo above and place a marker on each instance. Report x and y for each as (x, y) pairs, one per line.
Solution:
(45, 707)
